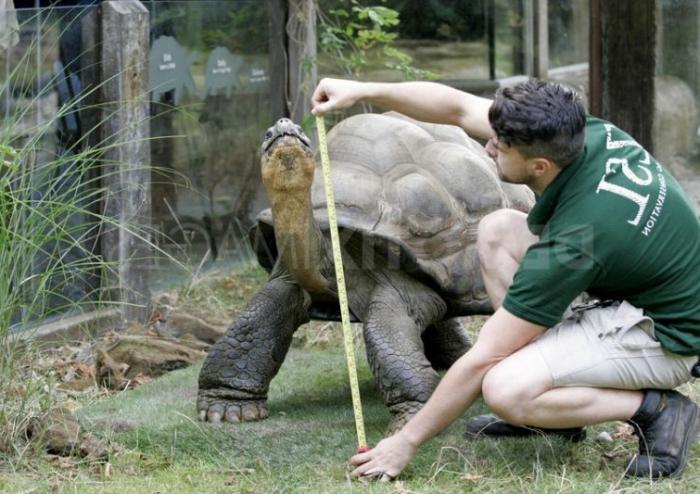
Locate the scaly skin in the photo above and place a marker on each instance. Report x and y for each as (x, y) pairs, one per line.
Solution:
(392, 330)
(445, 342)
(236, 375)
(396, 308)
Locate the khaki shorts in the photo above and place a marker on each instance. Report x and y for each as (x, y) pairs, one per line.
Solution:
(611, 347)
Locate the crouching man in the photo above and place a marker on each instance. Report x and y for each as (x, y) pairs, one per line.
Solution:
(610, 221)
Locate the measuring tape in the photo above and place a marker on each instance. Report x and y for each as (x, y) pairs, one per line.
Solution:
(342, 293)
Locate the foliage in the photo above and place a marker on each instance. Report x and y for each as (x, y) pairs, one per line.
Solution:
(51, 195)
(357, 35)
(441, 19)
(242, 28)
(305, 444)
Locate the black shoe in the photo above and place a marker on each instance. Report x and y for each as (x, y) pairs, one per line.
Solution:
(667, 423)
(491, 426)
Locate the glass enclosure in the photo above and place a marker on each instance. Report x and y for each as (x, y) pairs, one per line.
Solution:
(210, 101)
(678, 92)
(41, 70)
(210, 104)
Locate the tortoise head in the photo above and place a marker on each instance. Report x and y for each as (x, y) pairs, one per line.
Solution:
(287, 160)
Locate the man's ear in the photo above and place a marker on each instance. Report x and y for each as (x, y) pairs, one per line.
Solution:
(542, 166)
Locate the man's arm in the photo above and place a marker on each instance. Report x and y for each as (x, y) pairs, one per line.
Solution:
(426, 101)
(502, 335)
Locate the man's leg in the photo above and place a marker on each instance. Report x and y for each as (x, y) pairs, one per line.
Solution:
(571, 378)
(502, 241)
(530, 398)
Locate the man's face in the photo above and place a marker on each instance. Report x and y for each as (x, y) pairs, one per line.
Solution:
(511, 165)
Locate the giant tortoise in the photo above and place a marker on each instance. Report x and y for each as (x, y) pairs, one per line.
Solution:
(409, 197)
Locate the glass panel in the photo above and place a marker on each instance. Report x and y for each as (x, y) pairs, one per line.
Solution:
(677, 93)
(42, 71)
(446, 38)
(511, 32)
(210, 104)
(568, 22)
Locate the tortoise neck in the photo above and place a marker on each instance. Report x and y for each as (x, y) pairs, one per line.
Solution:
(299, 239)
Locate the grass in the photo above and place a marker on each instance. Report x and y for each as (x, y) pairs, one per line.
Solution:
(305, 444)
(52, 190)
(160, 446)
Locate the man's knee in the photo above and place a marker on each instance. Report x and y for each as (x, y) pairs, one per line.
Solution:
(508, 395)
(505, 228)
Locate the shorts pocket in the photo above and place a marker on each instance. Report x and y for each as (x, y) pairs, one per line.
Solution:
(633, 330)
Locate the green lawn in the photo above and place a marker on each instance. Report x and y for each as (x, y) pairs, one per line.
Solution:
(305, 444)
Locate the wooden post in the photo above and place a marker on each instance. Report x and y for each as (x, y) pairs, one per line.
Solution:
(301, 32)
(277, 14)
(540, 63)
(292, 56)
(595, 99)
(490, 15)
(623, 65)
(528, 37)
(126, 173)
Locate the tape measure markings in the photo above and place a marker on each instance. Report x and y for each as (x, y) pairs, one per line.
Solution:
(340, 278)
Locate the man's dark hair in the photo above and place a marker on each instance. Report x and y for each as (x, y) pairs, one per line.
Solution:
(541, 119)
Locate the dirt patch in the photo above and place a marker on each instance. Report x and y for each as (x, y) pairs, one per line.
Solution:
(60, 433)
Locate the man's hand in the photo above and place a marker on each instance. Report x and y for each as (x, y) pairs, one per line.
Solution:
(386, 460)
(335, 94)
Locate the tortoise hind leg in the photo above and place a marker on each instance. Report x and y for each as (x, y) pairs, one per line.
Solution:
(445, 342)
(394, 321)
(236, 374)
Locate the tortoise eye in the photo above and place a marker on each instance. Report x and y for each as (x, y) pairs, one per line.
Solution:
(268, 134)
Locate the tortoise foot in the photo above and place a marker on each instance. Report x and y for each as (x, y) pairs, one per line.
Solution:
(215, 408)
(400, 414)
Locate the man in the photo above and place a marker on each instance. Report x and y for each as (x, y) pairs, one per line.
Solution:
(608, 220)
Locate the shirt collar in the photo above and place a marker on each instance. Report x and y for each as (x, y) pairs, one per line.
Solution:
(544, 208)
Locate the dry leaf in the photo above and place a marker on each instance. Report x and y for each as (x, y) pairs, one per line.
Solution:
(233, 470)
(623, 431)
(472, 477)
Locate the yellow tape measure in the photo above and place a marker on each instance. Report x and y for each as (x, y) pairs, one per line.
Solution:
(340, 277)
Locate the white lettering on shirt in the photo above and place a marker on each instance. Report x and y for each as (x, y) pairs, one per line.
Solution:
(643, 178)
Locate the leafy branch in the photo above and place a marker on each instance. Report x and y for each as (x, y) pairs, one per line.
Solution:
(357, 34)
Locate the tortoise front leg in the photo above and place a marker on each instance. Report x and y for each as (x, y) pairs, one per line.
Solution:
(236, 374)
(393, 325)
(445, 342)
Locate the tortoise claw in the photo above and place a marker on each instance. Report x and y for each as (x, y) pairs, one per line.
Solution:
(218, 409)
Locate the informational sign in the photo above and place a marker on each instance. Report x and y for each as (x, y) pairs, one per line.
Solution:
(255, 75)
(225, 73)
(221, 72)
(169, 69)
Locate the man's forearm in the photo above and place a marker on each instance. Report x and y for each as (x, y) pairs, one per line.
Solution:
(432, 102)
(457, 390)
(426, 101)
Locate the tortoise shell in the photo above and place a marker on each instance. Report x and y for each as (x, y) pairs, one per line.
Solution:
(412, 194)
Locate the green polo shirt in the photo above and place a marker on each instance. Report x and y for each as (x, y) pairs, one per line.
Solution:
(617, 225)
